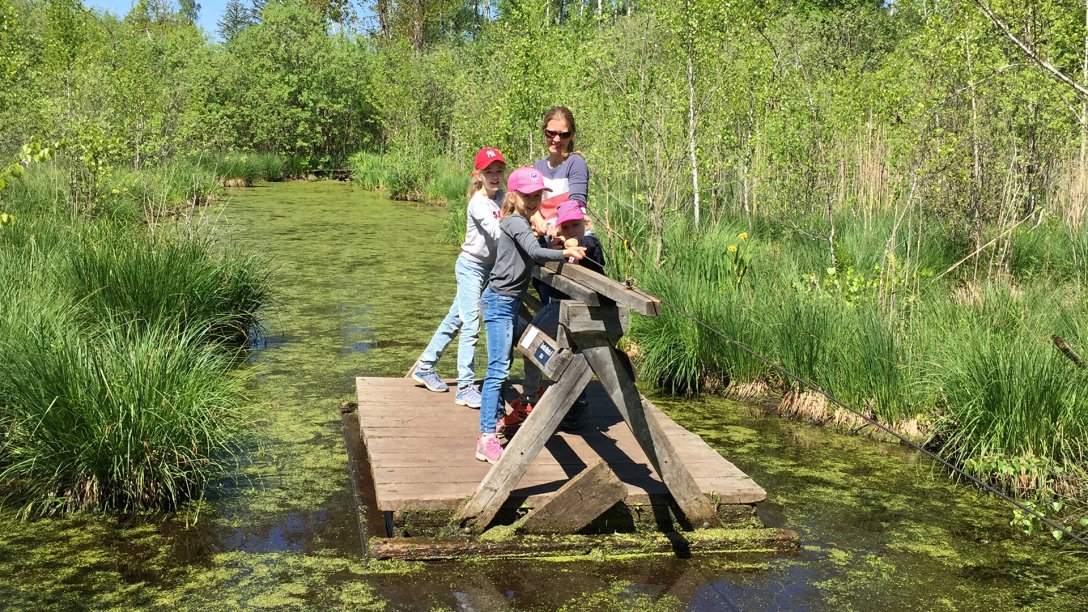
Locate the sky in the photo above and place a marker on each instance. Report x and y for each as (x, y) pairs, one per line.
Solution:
(208, 20)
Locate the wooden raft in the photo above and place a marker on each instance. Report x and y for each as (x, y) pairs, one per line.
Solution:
(420, 445)
(421, 450)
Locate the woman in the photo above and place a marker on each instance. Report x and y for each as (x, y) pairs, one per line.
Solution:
(566, 176)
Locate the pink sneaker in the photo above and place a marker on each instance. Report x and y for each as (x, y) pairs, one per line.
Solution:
(488, 448)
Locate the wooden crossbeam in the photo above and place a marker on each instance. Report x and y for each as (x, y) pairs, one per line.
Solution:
(573, 288)
(577, 503)
(642, 303)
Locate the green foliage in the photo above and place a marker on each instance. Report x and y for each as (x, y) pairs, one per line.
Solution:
(121, 419)
(115, 383)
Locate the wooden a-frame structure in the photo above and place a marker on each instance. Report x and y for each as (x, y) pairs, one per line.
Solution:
(576, 342)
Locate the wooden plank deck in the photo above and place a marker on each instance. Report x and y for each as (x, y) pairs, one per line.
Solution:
(421, 450)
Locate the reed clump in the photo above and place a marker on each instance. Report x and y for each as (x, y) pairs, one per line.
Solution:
(961, 361)
(117, 388)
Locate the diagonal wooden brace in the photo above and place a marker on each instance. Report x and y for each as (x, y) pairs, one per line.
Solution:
(533, 434)
(659, 449)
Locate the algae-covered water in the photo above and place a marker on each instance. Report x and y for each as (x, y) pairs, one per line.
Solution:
(360, 283)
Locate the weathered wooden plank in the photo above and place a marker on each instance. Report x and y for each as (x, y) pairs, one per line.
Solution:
(577, 503)
(658, 447)
(654, 494)
(409, 428)
(609, 321)
(642, 303)
(706, 540)
(570, 287)
(526, 445)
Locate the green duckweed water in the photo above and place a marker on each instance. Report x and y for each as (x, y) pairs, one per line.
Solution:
(360, 284)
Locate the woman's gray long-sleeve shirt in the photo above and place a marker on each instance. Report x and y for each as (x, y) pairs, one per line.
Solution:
(518, 249)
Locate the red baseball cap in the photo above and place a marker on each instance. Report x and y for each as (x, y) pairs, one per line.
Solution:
(486, 157)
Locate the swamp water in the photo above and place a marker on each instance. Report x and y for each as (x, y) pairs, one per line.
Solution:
(360, 284)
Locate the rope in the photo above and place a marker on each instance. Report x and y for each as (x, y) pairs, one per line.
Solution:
(903, 439)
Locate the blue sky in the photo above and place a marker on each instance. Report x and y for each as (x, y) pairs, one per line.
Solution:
(210, 11)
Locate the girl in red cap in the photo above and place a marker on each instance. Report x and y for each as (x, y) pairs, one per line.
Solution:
(517, 250)
(472, 270)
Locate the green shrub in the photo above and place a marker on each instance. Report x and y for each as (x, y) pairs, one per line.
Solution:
(408, 179)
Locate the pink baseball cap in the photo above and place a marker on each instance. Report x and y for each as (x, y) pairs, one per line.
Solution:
(525, 180)
(571, 210)
(486, 157)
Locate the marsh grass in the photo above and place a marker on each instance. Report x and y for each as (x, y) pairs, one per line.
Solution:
(168, 280)
(117, 343)
(121, 419)
(966, 359)
(370, 170)
(241, 168)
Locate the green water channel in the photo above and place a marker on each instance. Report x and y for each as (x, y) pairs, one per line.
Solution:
(360, 283)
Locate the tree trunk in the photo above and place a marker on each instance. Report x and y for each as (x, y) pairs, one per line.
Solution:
(381, 7)
(691, 118)
(417, 25)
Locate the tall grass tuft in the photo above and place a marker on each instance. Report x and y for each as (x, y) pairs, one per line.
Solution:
(116, 346)
(122, 419)
(369, 170)
(169, 281)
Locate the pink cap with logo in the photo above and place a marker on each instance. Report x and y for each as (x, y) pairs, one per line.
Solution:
(570, 210)
(525, 180)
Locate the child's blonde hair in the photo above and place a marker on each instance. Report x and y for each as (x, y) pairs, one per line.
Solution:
(509, 203)
(475, 182)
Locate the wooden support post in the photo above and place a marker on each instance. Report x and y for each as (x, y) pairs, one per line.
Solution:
(602, 357)
(576, 504)
(526, 445)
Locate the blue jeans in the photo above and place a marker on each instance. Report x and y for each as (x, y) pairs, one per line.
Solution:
(500, 314)
(464, 316)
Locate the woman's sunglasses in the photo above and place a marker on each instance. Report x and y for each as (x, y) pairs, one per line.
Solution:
(553, 134)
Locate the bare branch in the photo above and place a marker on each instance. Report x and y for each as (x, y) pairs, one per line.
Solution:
(1058, 74)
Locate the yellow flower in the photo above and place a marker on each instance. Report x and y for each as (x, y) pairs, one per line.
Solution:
(732, 248)
(743, 235)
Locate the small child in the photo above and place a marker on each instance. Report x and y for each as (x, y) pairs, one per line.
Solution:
(472, 270)
(570, 224)
(517, 250)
